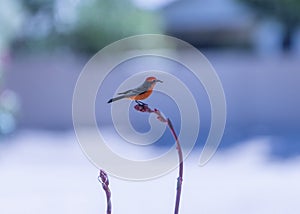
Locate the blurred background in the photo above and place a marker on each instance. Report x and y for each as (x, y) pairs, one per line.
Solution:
(254, 46)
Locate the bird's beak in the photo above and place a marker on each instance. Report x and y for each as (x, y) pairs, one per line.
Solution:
(159, 81)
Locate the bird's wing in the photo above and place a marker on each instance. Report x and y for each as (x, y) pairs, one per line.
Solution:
(132, 92)
(125, 92)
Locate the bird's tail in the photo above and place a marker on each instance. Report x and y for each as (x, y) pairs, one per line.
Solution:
(116, 98)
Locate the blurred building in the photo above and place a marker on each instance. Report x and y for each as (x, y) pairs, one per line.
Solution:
(260, 92)
(209, 23)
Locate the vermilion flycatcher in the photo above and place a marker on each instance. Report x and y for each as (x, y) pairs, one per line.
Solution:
(139, 93)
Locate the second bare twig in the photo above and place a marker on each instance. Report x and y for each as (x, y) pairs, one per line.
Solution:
(103, 179)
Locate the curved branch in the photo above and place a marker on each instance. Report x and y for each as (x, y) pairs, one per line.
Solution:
(160, 117)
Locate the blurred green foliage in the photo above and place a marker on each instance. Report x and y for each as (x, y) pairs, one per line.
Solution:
(287, 12)
(10, 22)
(85, 26)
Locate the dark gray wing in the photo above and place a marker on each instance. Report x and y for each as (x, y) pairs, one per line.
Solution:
(125, 92)
(133, 92)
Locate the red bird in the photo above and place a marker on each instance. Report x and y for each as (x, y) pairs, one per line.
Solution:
(140, 93)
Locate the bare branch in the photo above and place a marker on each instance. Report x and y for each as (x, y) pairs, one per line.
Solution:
(103, 179)
(160, 117)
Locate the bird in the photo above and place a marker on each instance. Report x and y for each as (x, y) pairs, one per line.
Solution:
(140, 93)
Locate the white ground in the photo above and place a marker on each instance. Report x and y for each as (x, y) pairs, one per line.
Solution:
(47, 173)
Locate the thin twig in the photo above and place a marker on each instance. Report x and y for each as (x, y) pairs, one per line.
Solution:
(180, 174)
(160, 117)
(103, 179)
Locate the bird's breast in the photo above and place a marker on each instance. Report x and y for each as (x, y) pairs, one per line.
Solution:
(142, 95)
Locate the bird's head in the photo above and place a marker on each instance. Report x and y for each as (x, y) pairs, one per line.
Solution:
(153, 80)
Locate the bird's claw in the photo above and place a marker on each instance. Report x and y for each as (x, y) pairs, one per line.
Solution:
(140, 103)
